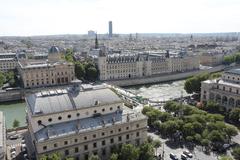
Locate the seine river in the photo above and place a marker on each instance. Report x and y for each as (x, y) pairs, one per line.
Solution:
(161, 91)
(14, 110)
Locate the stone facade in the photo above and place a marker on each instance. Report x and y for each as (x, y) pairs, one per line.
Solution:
(94, 122)
(211, 59)
(130, 66)
(224, 91)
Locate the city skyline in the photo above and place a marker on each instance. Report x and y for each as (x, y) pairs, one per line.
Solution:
(28, 18)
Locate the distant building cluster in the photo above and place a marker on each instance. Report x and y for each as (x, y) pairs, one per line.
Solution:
(125, 66)
(225, 91)
(81, 121)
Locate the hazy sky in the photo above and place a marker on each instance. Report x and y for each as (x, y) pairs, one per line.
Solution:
(43, 17)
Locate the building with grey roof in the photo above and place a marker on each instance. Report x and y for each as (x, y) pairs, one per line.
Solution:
(225, 91)
(82, 120)
(138, 65)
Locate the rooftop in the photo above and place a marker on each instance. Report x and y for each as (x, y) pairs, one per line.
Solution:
(54, 101)
(86, 124)
(234, 71)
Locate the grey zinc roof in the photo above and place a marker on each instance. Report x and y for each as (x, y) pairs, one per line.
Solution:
(48, 102)
(234, 71)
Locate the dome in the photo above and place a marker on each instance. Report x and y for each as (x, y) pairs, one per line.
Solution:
(54, 49)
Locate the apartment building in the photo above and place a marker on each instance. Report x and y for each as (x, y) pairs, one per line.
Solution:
(126, 66)
(82, 120)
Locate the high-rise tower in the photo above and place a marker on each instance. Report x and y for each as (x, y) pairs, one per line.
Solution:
(110, 31)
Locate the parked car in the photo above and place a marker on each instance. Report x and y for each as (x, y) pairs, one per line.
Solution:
(187, 153)
(184, 157)
(13, 137)
(173, 156)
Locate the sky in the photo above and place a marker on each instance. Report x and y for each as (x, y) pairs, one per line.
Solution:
(51, 17)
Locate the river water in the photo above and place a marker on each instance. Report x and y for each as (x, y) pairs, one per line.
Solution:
(14, 110)
(159, 92)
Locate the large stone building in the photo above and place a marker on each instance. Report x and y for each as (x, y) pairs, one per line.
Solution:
(225, 91)
(125, 66)
(2, 137)
(52, 72)
(82, 120)
(212, 58)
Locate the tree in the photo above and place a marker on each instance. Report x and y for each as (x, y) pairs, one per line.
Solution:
(193, 84)
(225, 158)
(129, 152)
(212, 107)
(16, 123)
(94, 157)
(234, 115)
(91, 73)
(2, 79)
(156, 145)
(146, 152)
(114, 156)
(53, 156)
(79, 71)
(230, 131)
(236, 153)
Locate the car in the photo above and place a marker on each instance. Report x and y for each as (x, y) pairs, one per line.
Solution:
(187, 153)
(184, 157)
(13, 137)
(173, 156)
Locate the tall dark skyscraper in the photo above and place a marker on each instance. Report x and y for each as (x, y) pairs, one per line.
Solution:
(110, 32)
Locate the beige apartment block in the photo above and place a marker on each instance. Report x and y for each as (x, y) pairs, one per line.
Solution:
(82, 120)
(127, 66)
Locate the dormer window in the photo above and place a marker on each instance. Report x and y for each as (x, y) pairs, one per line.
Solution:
(96, 102)
(39, 122)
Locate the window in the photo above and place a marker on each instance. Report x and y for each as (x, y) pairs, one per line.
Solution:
(119, 138)
(75, 140)
(39, 122)
(127, 136)
(44, 147)
(85, 147)
(230, 89)
(76, 150)
(137, 134)
(119, 130)
(111, 108)
(85, 138)
(94, 136)
(50, 120)
(137, 125)
(65, 142)
(111, 131)
(127, 128)
(55, 145)
(78, 114)
(103, 110)
(94, 145)
(118, 107)
(103, 143)
(103, 133)
(66, 152)
(95, 111)
(69, 116)
(103, 151)
(59, 118)
(112, 140)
